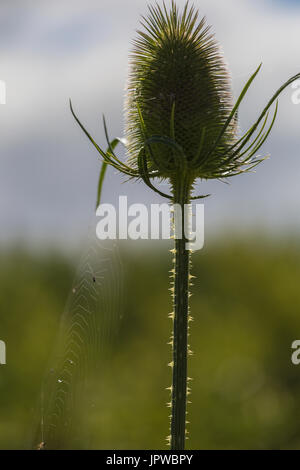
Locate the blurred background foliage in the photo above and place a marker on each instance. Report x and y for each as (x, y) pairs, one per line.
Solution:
(245, 390)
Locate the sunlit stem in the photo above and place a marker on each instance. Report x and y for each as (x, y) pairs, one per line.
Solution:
(181, 191)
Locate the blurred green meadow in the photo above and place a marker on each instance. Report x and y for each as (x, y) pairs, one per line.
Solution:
(245, 390)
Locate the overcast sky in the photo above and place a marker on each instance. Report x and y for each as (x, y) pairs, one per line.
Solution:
(53, 50)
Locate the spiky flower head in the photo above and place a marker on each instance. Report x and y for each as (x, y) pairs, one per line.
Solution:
(179, 88)
(180, 121)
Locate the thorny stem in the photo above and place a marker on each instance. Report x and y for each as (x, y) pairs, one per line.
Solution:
(181, 191)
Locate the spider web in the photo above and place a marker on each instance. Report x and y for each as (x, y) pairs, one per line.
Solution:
(90, 322)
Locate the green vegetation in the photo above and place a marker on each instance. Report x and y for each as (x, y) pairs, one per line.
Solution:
(245, 391)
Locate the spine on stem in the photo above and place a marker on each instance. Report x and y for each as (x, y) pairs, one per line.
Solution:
(180, 289)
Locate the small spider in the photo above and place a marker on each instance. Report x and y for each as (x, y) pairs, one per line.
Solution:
(41, 446)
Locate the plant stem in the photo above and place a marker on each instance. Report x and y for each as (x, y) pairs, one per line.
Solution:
(181, 191)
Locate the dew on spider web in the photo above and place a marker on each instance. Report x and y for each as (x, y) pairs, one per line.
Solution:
(88, 327)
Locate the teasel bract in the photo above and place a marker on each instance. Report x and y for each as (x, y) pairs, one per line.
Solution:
(181, 125)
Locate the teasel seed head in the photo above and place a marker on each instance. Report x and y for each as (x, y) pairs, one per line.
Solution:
(178, 88)
(180, 121)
